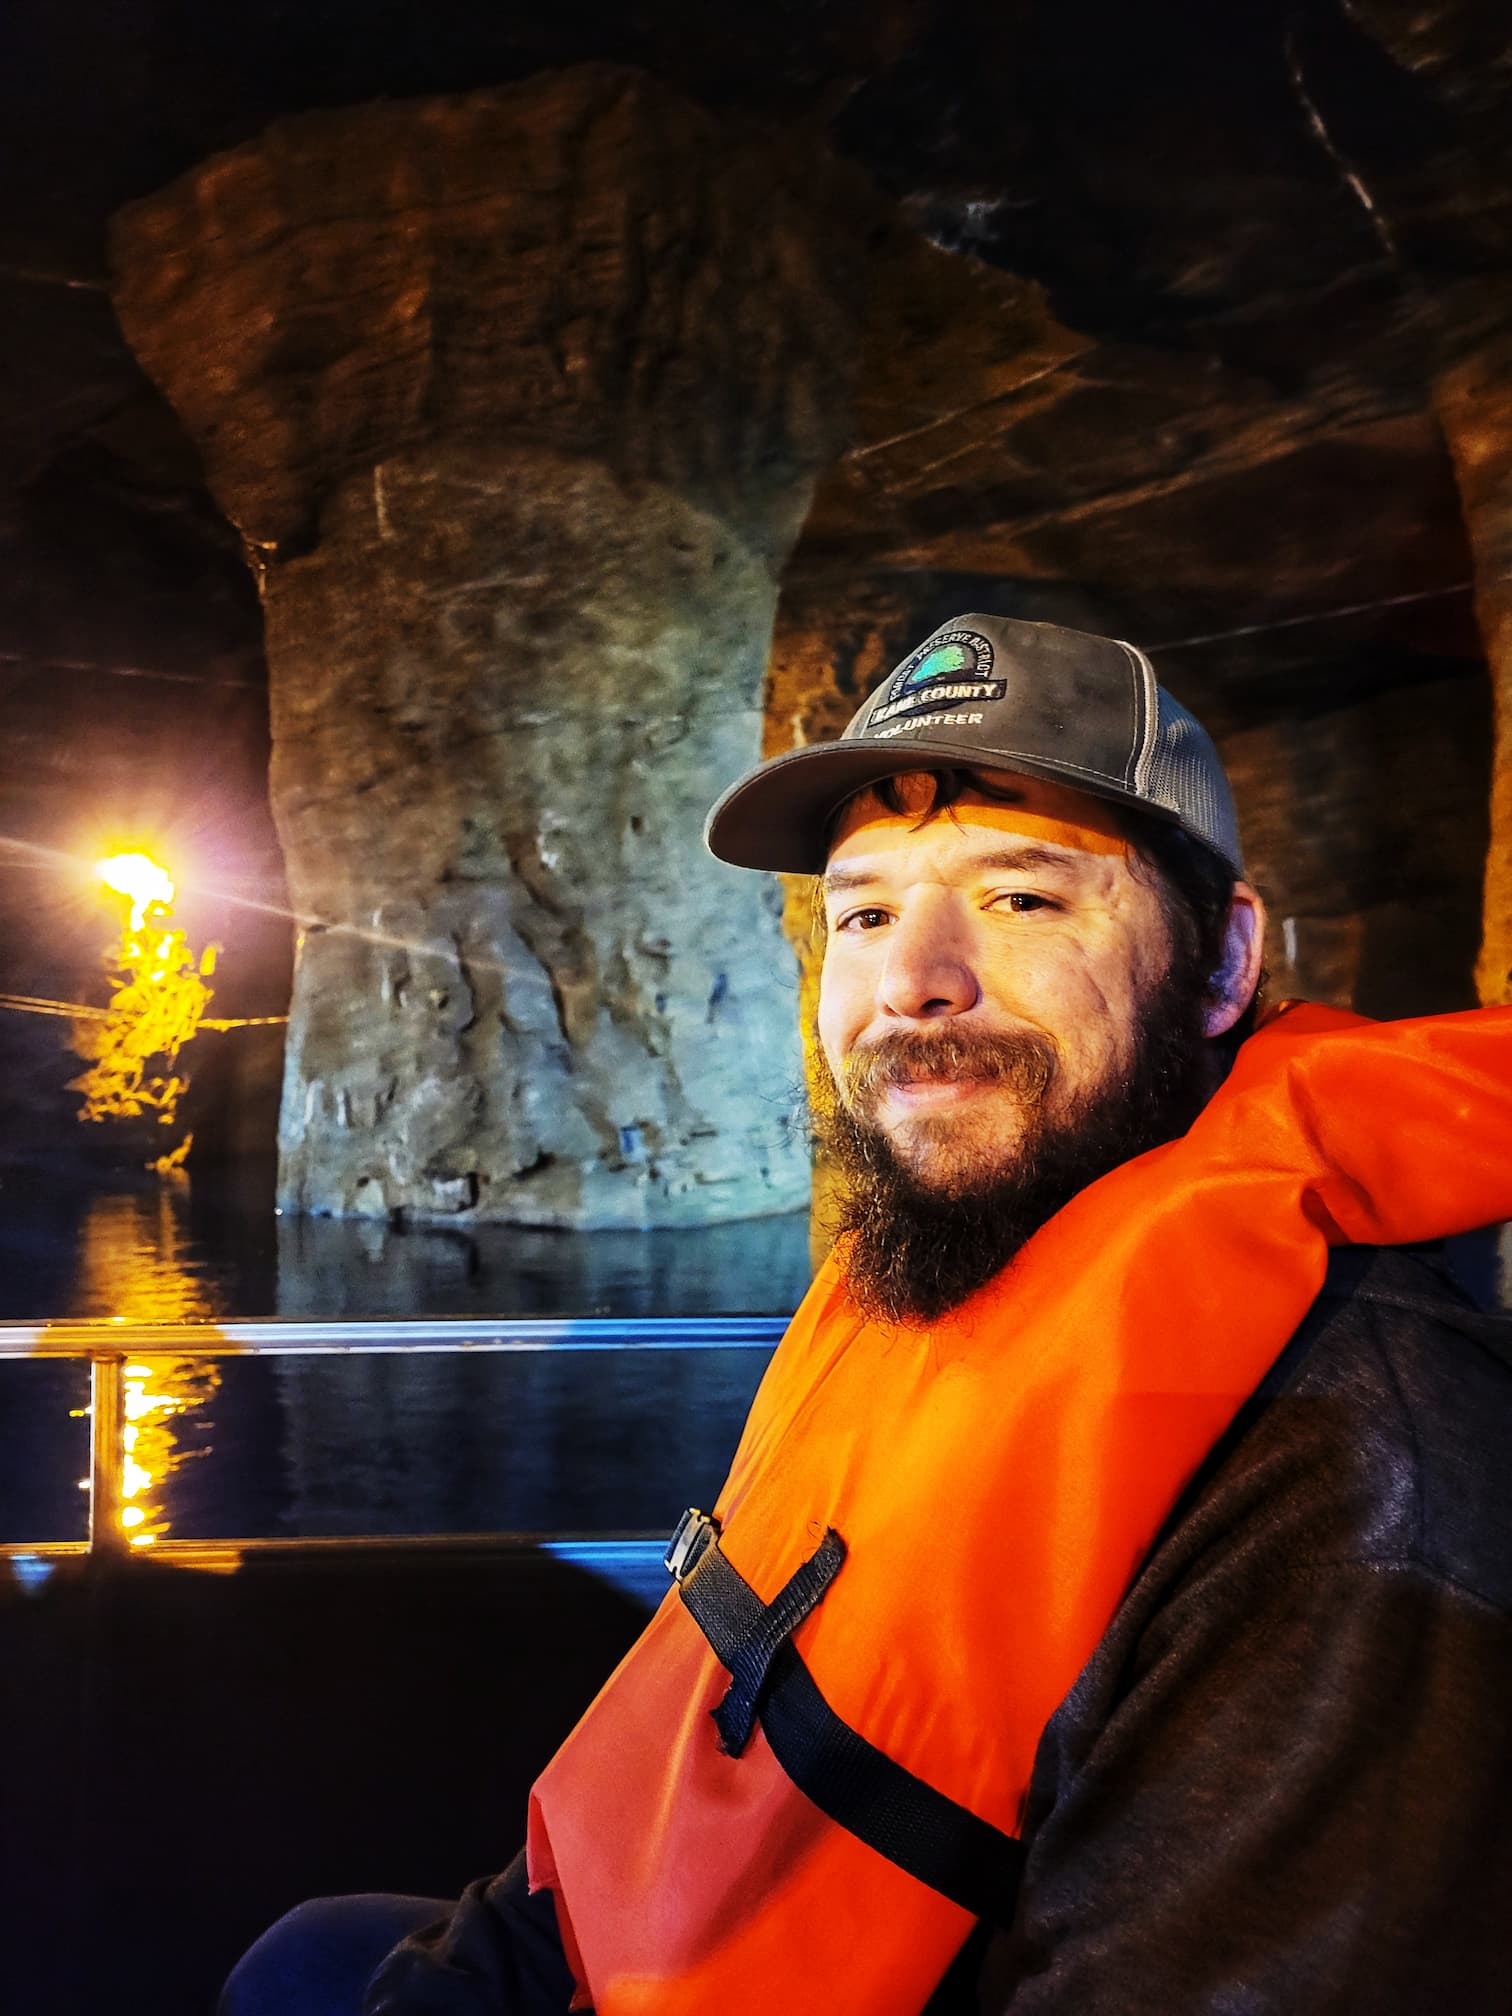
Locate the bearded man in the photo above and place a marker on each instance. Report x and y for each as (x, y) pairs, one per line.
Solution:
(1108, 1607)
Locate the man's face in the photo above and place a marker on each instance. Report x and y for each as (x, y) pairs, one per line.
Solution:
(984, 972)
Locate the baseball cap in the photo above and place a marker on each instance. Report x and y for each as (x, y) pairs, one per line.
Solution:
(992, 693)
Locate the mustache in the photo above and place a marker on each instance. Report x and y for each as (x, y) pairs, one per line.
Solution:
(1020, 1059)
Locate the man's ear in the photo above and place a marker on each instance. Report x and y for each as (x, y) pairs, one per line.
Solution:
(1233, 985)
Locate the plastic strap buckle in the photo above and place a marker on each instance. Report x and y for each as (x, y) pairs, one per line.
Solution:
(691, 1537)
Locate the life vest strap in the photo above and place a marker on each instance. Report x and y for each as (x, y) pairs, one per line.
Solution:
(745, 1633)
(858, 1786)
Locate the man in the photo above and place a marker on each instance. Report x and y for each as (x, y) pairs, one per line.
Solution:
(1097, 1617)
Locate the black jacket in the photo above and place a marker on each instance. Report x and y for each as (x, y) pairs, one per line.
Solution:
(1283, 1783)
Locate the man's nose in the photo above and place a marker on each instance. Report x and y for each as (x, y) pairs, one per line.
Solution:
(928, 974)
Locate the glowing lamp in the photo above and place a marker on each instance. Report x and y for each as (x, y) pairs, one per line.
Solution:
(142, 881)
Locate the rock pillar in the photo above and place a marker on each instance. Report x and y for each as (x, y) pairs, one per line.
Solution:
(517, 399)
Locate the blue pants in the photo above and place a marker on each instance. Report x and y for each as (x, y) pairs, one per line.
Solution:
(496, 1951)
(319, 1958)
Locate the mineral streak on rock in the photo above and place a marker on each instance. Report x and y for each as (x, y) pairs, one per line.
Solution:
(1474, 401)
(517, 398)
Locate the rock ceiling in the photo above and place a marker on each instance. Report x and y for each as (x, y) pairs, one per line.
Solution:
(1179, 336)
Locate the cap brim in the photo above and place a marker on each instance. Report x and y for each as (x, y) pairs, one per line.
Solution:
(778, 817)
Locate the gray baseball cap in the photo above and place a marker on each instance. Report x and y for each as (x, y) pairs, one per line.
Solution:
(992, 693)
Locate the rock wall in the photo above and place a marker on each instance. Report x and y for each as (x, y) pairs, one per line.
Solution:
(1428, 151)
(517, 399)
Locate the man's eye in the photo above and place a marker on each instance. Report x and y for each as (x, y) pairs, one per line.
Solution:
(1022, 902)
(861, 920)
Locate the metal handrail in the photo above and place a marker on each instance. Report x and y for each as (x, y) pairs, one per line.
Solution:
(290, 1336)
(110, 1345)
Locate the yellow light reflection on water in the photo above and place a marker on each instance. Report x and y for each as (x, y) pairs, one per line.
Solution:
(136, 1265)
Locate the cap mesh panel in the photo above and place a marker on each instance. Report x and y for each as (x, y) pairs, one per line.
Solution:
(1187, 777)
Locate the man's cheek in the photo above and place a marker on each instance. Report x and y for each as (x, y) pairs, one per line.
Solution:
(836, 1022)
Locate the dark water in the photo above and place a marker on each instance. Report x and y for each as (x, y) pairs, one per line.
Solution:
(551, 1441)
(149, 1252)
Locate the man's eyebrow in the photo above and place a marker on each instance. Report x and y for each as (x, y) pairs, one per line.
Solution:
(1032, 855)
(837, 879)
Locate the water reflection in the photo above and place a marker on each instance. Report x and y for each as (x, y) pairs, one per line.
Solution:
(135, 1266)
(611, 1441)
(137, 1261)
(329, 1267)
(212, 1249)
(156, 1438)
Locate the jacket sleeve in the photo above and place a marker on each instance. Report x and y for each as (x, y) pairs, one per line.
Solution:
(498, 1954)
(1297, 1802)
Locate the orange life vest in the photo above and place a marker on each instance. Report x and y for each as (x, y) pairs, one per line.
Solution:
(995, 1480)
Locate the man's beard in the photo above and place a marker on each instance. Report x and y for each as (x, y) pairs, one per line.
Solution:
(915, 1249)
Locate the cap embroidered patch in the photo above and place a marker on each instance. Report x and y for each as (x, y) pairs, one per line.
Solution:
(954, 666)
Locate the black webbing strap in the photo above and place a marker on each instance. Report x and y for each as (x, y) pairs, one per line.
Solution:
(747, 1634)
(858, 1786)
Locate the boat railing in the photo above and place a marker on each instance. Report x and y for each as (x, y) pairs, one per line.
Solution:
(110, 1346)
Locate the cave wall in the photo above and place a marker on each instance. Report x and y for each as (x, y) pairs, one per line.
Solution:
(133, 707)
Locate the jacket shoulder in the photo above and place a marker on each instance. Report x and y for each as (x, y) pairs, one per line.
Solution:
(1418, 1382)
(1382, 1434)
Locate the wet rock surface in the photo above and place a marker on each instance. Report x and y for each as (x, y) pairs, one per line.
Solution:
(530, 994)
